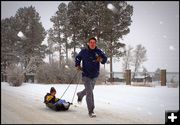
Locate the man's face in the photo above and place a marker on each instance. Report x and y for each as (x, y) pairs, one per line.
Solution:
(92, 44)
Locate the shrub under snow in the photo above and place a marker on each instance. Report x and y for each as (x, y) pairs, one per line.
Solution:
(15, 75)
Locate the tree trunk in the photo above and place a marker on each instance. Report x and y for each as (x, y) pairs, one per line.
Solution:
(52, 58)
(50, 61)
(111, 70)
(66, 51)
(74, 46)
(98, 34)
(111, 65)
(60, 55)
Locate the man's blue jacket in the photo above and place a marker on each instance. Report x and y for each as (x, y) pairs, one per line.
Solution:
(90, 66)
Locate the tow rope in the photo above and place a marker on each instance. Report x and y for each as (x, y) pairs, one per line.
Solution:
(69, 86)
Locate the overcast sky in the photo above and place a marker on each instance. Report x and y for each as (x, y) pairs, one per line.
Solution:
(155, 25)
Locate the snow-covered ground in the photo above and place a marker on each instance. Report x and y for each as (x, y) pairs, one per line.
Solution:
(113, 104)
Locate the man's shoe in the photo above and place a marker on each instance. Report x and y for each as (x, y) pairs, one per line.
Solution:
(79, 100)
(92, 114)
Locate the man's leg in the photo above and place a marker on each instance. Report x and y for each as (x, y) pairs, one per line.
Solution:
(89, 86)
(81, 94)
(93, 81)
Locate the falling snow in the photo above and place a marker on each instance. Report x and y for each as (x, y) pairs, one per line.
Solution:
(112, 8)
(171, 48)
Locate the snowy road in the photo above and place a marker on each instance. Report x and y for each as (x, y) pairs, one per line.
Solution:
(24, 105)
(17, 110)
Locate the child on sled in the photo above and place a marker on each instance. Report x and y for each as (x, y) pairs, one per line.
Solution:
(55, 103)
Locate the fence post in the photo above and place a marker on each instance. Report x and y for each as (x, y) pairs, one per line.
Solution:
(128, 77)
(163, 77)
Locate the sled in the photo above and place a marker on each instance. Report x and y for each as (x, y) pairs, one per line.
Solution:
(59, 107)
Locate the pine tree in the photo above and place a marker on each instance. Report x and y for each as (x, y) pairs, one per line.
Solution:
(61, 30)
(9, 43)
(75, 16)
(51, 42)
(29, 24)
(114, 25)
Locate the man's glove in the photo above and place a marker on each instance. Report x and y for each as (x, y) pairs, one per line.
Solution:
(99, 59)
(79, 68)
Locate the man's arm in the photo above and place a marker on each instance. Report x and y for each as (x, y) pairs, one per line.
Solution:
(78, 59)
(101, 57)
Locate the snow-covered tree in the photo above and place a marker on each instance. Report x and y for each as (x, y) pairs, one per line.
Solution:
(29, 24)
(156, 76)
(127, 58)
(22, 37)
(145, 71)
(9, 42)
(139, 57)
(61, 30)
(116, 23)
(74, 24)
